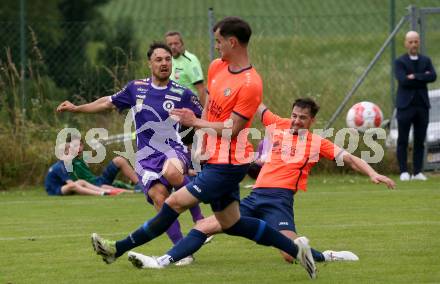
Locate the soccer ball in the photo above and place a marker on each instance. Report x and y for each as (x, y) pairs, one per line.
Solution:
(364, 115)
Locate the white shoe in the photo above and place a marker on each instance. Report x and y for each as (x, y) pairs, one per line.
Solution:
(305, 257)
(208, 240)
(331, 255)
(419, 176)
(143, 261)
(405, 176)
(105, 248)
(185, 261)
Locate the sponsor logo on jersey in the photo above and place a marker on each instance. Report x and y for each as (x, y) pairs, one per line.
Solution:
(140, 82)
(227, 92)
(196, 102)
(283, 224)
(168, 105)
(177, 90)
(173, 98)
(141, 90)
(120, 92)
(215, 109)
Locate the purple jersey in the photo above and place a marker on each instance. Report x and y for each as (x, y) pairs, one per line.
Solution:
(156, 132)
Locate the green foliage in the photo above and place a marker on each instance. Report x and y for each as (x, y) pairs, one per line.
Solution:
(47, 239)
(82, 50)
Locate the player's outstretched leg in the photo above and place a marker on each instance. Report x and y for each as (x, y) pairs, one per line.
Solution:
(258, 231)
(151, 229)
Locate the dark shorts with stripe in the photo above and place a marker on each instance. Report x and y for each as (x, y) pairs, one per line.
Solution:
(218, 184)
(272, 205)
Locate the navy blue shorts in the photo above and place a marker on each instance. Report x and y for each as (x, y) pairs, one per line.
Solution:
(54, 190)
(108, 175)
(218, 185)
(272, 205)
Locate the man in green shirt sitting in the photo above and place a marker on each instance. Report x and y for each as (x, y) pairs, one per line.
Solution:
(82, 171)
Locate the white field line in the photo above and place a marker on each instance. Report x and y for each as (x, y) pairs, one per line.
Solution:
(85, 201)
(410, 223)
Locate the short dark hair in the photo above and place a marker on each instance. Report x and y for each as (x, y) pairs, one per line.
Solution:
(307, 103)
(234, 26)
(72, 137)
(155, 45)
(173, 33)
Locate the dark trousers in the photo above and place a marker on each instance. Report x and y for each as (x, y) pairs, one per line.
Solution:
(419, 117)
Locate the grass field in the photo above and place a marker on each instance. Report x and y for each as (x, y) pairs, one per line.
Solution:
(46, 239)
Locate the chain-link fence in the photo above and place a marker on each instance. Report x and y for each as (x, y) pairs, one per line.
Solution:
(301, 48)
(430, 30)
(319, 51)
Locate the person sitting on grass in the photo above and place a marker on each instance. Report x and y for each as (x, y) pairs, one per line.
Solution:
(82, 171)
(59, 182)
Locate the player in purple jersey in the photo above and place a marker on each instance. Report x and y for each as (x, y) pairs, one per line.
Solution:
(161, 160)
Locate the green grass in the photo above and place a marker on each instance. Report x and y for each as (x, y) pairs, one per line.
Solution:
(395, 233)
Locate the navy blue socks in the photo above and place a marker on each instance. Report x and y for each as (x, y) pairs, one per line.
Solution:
(148, 231)
(188, 245)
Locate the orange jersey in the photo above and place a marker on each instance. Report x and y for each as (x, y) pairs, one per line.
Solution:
(240, 93)
(291, 156)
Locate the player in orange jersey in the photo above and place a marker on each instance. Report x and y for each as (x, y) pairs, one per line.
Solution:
(293, 152)
(235, 92)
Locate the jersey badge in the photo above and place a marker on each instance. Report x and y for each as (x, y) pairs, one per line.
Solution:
(168, 105)
(227, 92)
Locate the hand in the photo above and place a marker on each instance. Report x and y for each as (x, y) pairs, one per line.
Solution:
(185, 116)
(66, 106)
(192, 173)
(411, 77)
(383, 179)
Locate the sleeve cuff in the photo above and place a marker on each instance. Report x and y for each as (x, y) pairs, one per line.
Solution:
(263, 112)
(240, 115)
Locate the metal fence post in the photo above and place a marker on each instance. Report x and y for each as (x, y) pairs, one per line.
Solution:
(211, 34)
(392, 52)
(422, 32)
(412, 17)
(365, 73)
(23, 56)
